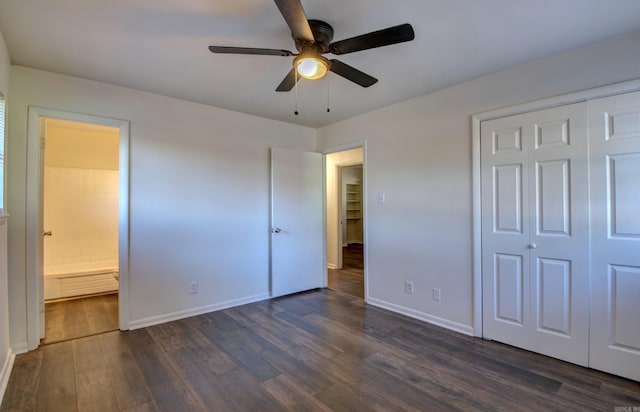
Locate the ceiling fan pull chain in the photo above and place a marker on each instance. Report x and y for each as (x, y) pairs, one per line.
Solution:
(296, 86)
(328, 93)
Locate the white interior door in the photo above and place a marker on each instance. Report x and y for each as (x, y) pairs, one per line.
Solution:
(614, 129)
(535, 232)
(297, 238)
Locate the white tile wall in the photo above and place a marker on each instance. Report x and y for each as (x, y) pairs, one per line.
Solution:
(81, 209)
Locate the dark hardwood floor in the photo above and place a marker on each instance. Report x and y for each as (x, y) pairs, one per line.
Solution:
(70, 319)
(349, 279)
(320, 350)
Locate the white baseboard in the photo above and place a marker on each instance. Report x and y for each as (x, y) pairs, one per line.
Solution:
(435, 320)
(20, 348)
(155, 320)
(5, 373)
(331, 265)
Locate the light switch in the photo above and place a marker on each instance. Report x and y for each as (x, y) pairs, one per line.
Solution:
(382, 198)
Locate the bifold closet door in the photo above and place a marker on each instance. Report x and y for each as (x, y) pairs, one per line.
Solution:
(535, 236)
(614, 129)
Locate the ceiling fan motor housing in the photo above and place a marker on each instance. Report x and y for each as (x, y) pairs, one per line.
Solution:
(322, 34)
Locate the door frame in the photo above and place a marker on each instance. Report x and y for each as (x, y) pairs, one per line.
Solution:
(34, 211)
(476, 119)
(361, 144)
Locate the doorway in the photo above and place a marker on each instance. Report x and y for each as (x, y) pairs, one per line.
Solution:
(35, 229)
(345, 222)
(80, 221)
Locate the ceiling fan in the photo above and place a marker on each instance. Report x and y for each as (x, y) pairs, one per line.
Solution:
(313, 39)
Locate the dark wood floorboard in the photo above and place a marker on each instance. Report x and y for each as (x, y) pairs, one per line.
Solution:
(349, 279)
(76, 318)
(321, 350)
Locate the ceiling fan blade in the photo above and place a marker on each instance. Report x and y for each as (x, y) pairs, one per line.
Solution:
(384, 37)
(295, 17)
(351, 73)
(249, 50)
(288, 82)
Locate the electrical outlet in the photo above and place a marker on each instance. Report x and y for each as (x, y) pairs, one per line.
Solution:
(408, 287)
(437, 295)
(193, 287)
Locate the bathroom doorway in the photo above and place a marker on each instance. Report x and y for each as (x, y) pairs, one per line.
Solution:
(80, 216)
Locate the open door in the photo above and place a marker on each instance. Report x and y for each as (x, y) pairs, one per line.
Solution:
(297, 223)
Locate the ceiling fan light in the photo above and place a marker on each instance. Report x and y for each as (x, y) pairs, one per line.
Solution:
(312, 67)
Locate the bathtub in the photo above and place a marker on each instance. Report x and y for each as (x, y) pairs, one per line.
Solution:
(64, 281)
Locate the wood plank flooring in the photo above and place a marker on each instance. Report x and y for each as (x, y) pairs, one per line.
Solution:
(71, 319)
(321, 350)
(349, 279)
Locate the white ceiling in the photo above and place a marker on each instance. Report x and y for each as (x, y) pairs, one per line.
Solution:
(160, 46)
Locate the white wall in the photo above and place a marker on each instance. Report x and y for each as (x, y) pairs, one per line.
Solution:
(419, 155)
(6, 356)
(199, 199)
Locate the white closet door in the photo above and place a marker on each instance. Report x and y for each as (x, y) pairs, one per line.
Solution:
(614, 128)
(535, 232)
(505, 231)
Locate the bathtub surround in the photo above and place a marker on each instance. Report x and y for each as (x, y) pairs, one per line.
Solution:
(81, 212)
(81, 187)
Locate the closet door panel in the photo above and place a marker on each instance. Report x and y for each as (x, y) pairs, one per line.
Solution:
(505, 233)
(614, 126)
(559, 229)
(624, 192)
(553, 209)
(508, 293)
(535, 231)
(507, 199)
(624, 284)
(554, 296)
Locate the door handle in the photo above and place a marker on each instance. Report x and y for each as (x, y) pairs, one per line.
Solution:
(276, 230)
(532, 246)
(47, 233)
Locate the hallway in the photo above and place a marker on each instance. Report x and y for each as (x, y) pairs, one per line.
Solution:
(349, 279)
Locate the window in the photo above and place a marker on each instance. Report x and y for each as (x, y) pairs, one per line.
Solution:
(2, 133)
